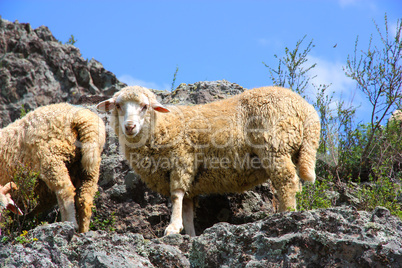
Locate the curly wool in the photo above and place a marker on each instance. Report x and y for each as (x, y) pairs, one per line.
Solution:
(63, 143)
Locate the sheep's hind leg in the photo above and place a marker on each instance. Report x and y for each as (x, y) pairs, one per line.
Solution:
(176, 221)
(58, 180)
(85, 195)
(188, 216)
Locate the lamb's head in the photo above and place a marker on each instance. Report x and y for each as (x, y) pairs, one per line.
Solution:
(5, 199)
(130, 106)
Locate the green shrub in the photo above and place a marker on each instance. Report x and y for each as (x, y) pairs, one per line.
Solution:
(101, 221)
(381, 192)
(316, 195)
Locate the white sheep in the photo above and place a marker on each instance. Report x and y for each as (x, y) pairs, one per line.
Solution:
(63, 143)
(225, 146)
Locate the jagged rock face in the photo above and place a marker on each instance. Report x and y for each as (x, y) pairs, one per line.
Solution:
(36, 70)
(201, 92)
(338, 237)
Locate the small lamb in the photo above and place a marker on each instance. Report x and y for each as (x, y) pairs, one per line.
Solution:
(63, 143)
(225, 146)
(5, 199)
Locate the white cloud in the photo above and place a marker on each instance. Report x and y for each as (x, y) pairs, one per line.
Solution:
(393, 27)
(132, 81)
(331, 73)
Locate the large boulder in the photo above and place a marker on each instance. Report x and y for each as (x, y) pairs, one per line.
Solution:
(338, 237)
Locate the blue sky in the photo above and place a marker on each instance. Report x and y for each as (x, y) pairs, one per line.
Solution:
(142, 42)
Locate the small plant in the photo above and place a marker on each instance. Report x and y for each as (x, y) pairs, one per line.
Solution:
(292, 70)
(24, 239)
(314, 196)
(100, 221)
(174, 78)
(71, 40)
(103, 224)
(23, 111)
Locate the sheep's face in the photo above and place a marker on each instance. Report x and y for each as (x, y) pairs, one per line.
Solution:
(131, 108)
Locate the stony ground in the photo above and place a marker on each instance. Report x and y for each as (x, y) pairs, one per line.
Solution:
(338, 237)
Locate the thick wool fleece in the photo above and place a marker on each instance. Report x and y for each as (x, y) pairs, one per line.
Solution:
(63, 143)
(226, 146)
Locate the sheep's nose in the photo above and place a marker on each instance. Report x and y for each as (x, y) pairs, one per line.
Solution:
(130, 128)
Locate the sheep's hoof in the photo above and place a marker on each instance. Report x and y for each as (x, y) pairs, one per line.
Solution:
(173, 229)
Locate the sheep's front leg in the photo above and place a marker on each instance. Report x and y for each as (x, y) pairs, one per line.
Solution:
(176, 221)
(286, 182)
(188, 216)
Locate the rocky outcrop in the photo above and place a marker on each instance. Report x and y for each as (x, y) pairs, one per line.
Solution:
(338, 237)
(36, 70)
(200, 92)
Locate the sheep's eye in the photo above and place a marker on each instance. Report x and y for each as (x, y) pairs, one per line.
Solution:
(144, 108)
(118, 107)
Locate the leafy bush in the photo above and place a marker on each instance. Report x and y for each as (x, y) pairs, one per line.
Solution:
(316, 195)
(381, 192)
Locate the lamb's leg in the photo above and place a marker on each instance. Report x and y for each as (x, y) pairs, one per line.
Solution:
(176, 221)
(188, 216)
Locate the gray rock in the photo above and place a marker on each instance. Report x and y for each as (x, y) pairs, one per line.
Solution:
(200, 92)
(36, 70)
(340, 237)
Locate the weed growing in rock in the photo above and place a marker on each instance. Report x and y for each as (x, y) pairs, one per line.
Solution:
(24, 239)
(318, 195)
(23, 111)
(101, 221)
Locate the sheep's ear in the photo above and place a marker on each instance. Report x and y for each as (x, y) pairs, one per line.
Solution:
(13, 207)
(159, 107)
(106, 106)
